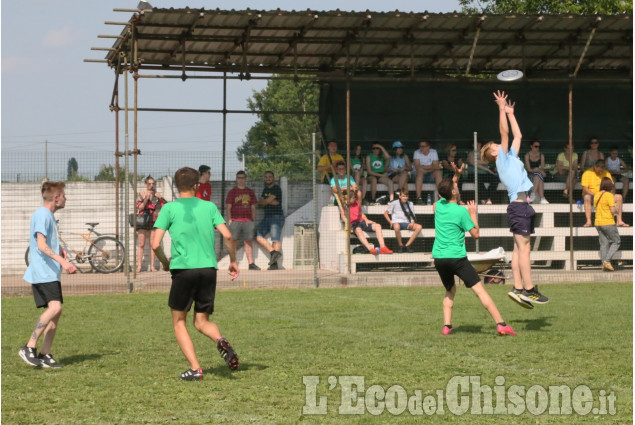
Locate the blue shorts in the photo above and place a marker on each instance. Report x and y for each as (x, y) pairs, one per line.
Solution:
(362, 225)
(402, 226)
(521, 218)
(272, 224)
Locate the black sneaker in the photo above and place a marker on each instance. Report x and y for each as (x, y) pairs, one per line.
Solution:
(534, 296)
(29, 355)
(253, 266)
(419, 201)
(409, 249)
(227, 353)
(401, 249)
(275, 256)
(274, 266)
(515, 294)
(47, 360)
(192, 375)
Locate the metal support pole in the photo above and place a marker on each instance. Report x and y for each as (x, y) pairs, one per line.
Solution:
(347, 225)
(476, 182)
(117, 177)
(126, 184)
(46, 159)
(316, 257)
(222, 181)
(570, 178)
(134, 177)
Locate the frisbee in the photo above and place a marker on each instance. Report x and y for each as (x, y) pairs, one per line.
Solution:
(510, 75)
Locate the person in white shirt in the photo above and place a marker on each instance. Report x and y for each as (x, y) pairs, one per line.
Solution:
(426, 163)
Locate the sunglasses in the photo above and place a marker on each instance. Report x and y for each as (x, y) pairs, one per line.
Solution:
(375, 149)
(595, 143)
(424, 146)
(452, 150)
(536, 146)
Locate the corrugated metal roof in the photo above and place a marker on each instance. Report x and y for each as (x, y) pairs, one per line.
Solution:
(346, 43)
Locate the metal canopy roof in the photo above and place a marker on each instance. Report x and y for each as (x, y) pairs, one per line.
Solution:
(352, 43)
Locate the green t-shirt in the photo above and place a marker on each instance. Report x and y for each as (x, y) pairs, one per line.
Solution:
(451, 221)
(377, 163)
(191, 223)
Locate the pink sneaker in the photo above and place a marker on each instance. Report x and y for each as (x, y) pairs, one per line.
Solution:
(505, 330)
(446, 330)
(385, 250)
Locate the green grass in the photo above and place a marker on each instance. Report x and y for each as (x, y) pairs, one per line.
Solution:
(121, 359)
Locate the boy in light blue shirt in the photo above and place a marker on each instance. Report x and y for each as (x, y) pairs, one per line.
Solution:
(520, 213)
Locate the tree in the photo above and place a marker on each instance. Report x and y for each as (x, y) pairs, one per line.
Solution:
(583, 7)
(106, 173)
(71, 169)
(282, 142)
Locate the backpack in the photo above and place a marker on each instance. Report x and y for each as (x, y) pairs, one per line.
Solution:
(495, 277)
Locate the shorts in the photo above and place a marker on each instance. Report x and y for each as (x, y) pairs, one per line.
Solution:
(521, 216)
(43, 293)
(193, 285)
(461, 267)
(242, 230)
(362, 225)
(402, 226)
(429, 177)
(272, 224)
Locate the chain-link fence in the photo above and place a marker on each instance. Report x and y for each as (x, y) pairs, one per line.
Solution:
(315, 246)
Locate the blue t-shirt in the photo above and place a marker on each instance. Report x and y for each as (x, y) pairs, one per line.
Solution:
(342, 182)
(42, 268)
(512, 173)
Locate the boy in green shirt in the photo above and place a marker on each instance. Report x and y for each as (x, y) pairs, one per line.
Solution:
(191, 222)
(451, 221)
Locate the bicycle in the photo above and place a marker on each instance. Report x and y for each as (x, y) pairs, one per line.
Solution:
(105, 254)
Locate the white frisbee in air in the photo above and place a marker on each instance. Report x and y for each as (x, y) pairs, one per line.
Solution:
(510, 75)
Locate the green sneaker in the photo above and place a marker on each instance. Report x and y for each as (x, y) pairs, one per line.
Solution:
(515, 295)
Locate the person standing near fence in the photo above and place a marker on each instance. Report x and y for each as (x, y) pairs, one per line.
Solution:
(604, 203)
(240, 210)
(272, 223)
(520, 213)
(451, 222)
(191, 222)
(45, 274)
(149, 202)
(204, 190)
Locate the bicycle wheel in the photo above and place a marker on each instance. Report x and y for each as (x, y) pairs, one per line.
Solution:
(106, 254)
(27, 256)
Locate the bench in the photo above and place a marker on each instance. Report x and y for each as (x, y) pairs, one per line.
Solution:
(469, 186)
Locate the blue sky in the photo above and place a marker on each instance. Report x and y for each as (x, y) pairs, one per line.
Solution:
(50, 93)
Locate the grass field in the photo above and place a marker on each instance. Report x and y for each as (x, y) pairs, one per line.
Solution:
(121, 360)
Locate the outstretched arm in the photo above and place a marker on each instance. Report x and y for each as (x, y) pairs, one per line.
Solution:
(501, 101)
(509, 110)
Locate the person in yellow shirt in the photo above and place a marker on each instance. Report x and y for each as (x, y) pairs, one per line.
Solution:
(324, 165)
(591, 180)
(604, 203)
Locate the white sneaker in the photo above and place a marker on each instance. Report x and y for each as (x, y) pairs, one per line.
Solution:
(532, 198)
(544, 201)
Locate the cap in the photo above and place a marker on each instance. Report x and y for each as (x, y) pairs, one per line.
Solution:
(397, 144)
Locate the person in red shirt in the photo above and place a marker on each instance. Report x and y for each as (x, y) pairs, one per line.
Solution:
(360, 224)
(204, 191)
(240, 210)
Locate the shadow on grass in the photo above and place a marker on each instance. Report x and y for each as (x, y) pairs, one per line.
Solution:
(472, 329)
(223, 370)
(534, 324)
(80, 358)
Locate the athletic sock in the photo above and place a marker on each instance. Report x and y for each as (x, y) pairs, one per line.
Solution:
(502, 324)
(448, 326)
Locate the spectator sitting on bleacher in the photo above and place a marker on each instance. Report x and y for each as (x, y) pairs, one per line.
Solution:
(399, 167)
(618, 168)
(485, 175)
(346, 183)
(426, 164)
(591, 180)
(376, 164)
(566, 168)
(360, 224)
(400, 216)
(592, 155)
(358, 167)
(324, 165)
(535, 165)
(451, 156)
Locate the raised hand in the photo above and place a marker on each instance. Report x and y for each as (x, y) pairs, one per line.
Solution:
(471, 207)
(501, 99)
(509, 107)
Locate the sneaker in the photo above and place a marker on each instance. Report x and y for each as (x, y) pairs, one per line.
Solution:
(544, 201)
(374, 251)
(504, 330)
(401, 249)
(47, 360)
(532, 197)
(533, 296)
(274, 266)
(385, 250)
(275, 256)
(192, 375)
(382, 200)
(227, 353)
(409, 249)
(446, 330)
(514, 294)
(29, 355)
(607, 266)
(253, 266)
(419, 201)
